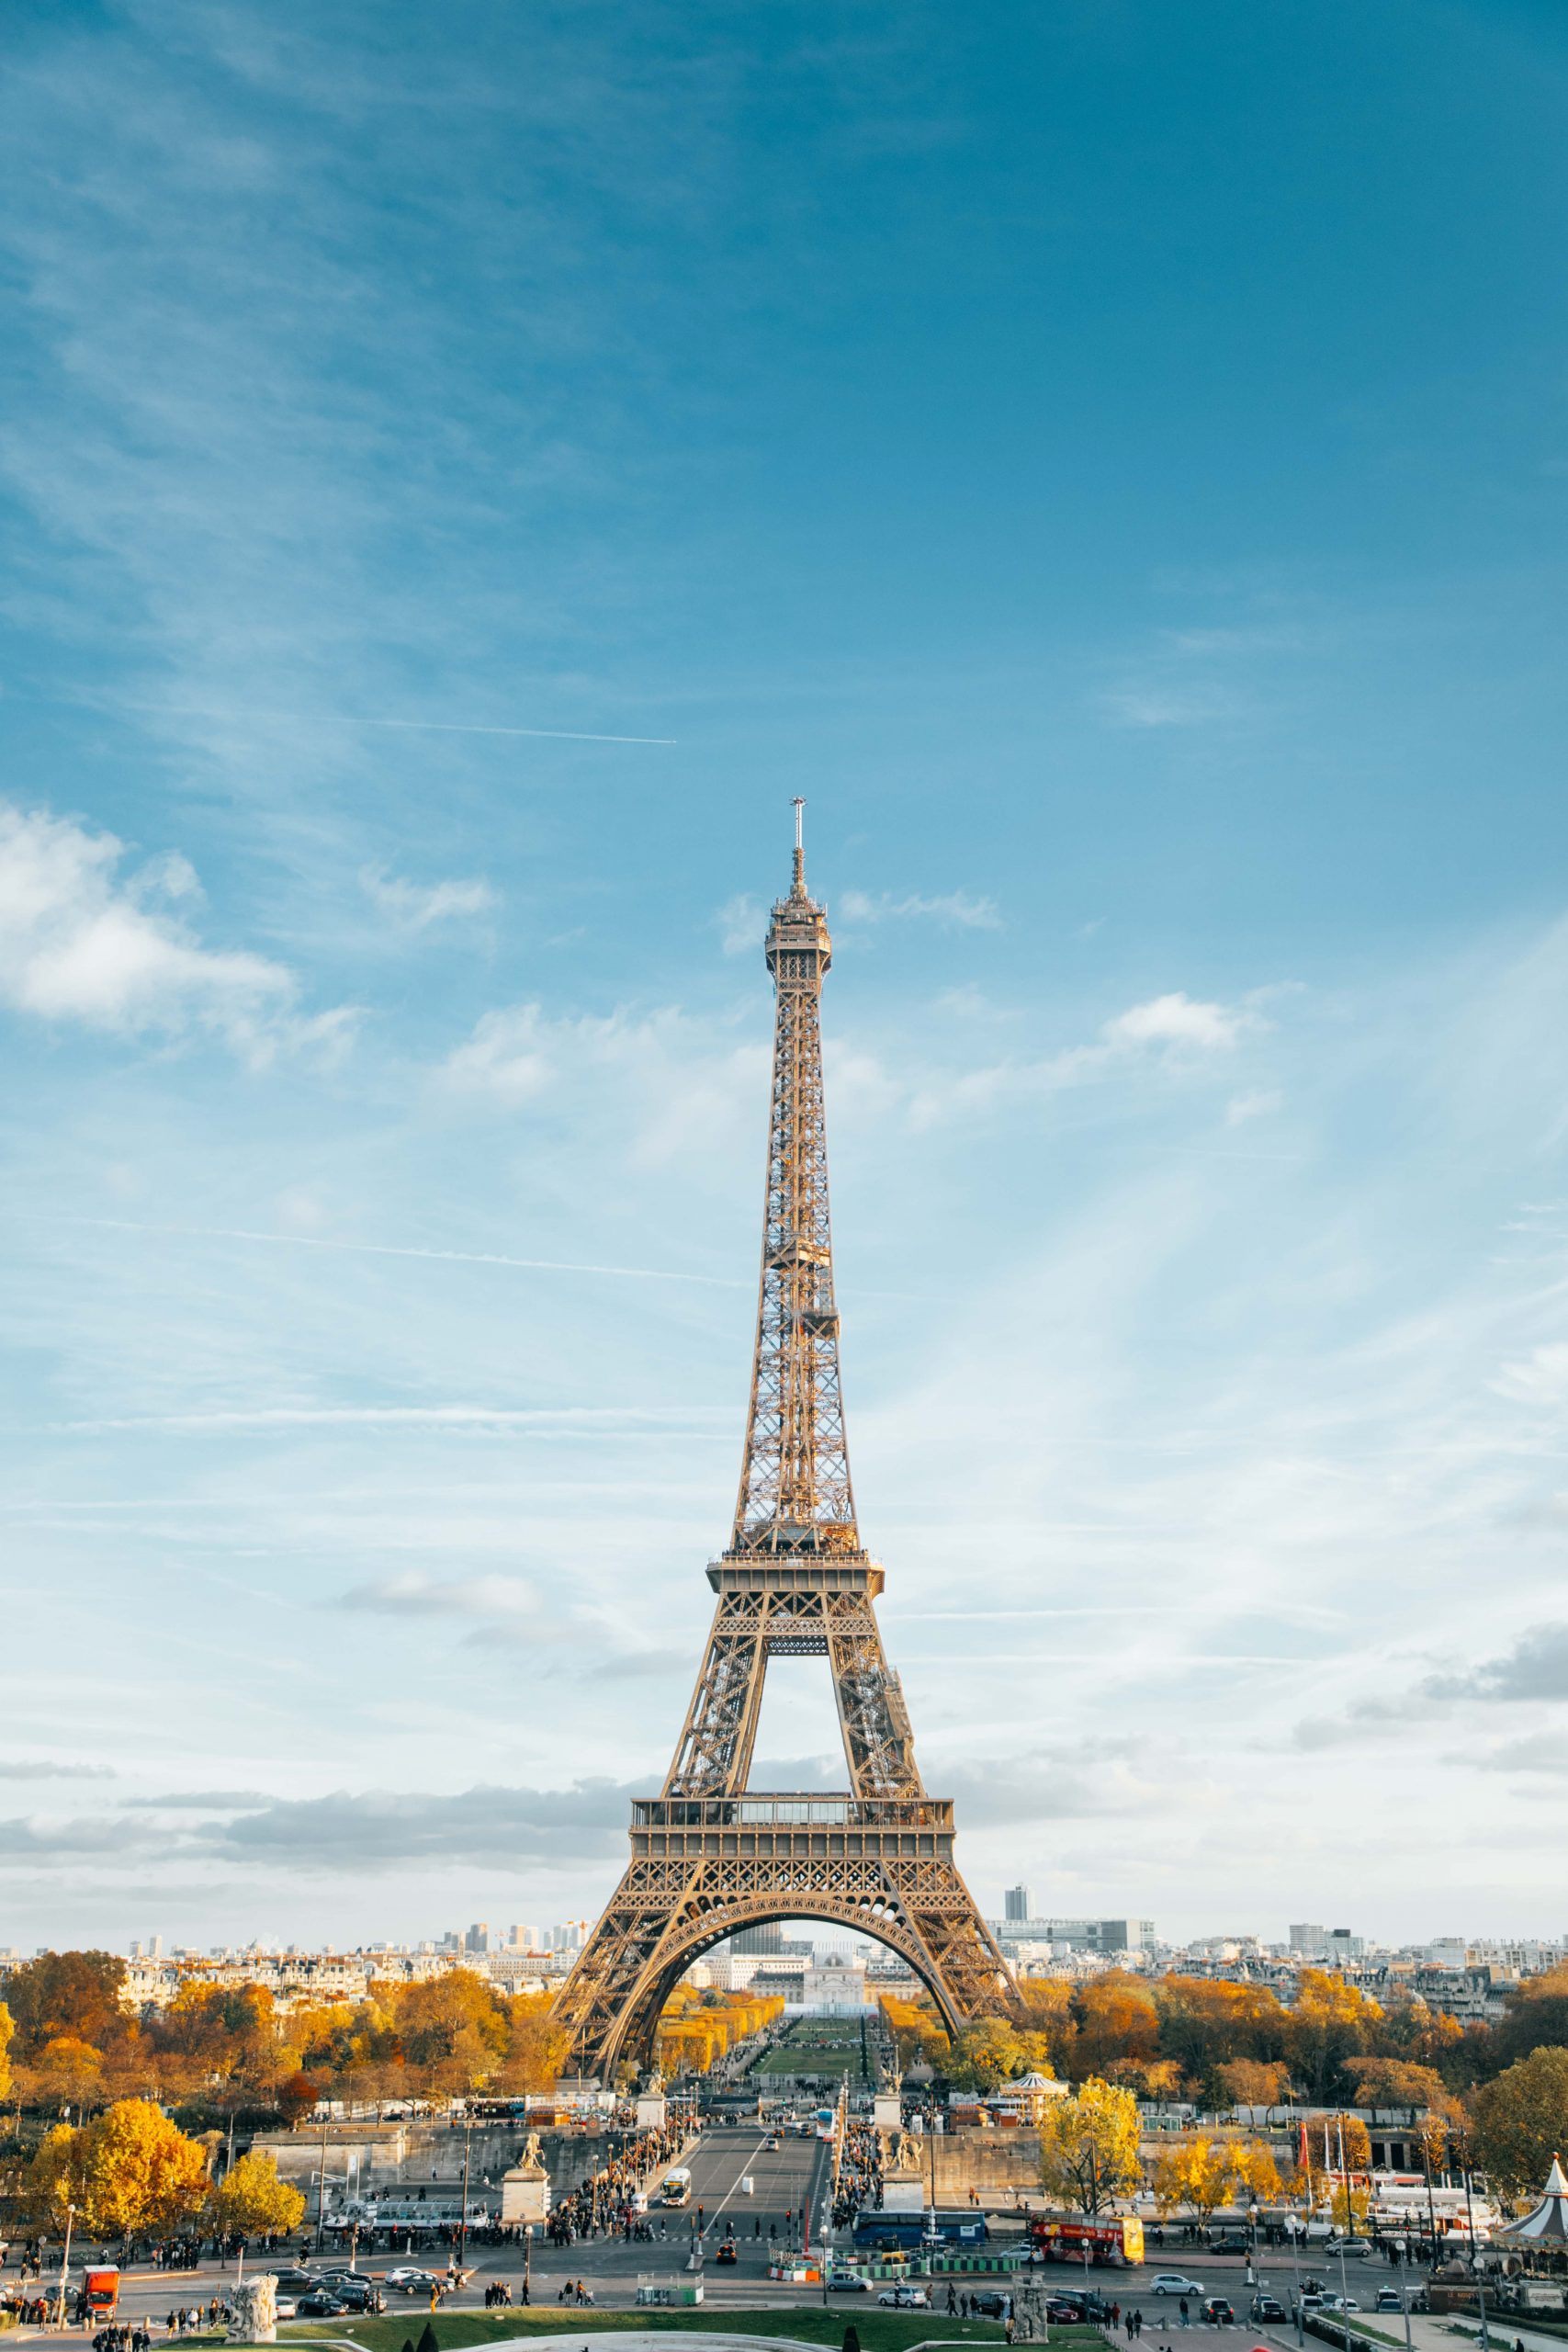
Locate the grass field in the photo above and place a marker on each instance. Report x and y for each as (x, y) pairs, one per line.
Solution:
(829, 2046)
(878, 2331)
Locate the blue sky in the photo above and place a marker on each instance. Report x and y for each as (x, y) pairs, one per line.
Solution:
(464, 473)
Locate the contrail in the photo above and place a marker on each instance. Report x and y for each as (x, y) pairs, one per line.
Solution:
(343, 718)
(387, 1249)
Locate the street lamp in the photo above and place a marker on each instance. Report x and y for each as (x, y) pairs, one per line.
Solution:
(64, 2265)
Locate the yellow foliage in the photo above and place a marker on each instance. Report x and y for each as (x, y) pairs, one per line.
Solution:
(1089, 2146)
(6, 2031)
(251, 2201)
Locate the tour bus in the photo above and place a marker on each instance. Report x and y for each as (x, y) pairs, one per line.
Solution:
(677, 2189)
(1115, 2237)
(825, 2123)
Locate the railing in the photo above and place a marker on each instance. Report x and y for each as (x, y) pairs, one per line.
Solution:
(792, 1811)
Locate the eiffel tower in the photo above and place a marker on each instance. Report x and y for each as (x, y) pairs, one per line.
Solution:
(710, 1855)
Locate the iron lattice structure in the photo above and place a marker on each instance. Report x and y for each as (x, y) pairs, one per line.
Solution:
(709, 1855)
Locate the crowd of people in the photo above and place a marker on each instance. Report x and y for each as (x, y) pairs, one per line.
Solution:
(603, 2204)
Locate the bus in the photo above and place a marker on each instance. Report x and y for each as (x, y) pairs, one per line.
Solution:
(825, 2123)
(677, 2187)
(1114, 2238)
(901, 2233)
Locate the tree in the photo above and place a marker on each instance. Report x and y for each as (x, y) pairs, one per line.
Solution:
(1117, 2023)
(66, 1992)
(141, 2172)
(1197, 2174)
(67, 2072)
(1088, 2147)
(1398, 2082)
(984, 2055)
(1253, 2082)
(536, 2047)
(6, 2030)
(53, 2177)
(1331, 2021)
(453, 2029)
(1536, 2016)
(1204, 2024)
(1521, 2121)
(251, 2202)
(1255, 2170)
(1348, 2207)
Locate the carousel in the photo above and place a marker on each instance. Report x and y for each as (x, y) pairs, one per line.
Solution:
(1538, 2242)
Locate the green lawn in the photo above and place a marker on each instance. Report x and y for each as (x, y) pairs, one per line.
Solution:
(879, 2331)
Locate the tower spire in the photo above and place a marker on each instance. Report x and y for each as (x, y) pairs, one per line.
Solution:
(796, 1495)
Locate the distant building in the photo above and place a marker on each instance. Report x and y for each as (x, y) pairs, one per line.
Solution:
(1102, 1936)
(478, 1938)
(1016, 1904)
(759, 1939)
(1309, 1941)
(835, 1986)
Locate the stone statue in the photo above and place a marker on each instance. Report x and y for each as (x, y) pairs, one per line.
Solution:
(531, 2159)
(254, 2304)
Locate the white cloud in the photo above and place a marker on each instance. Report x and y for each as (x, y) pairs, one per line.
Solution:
(742, 924)
(1178, 1020)
(957, 910)
(417, 905)
(1259, 1105)
(80, 942)
(504, 1056)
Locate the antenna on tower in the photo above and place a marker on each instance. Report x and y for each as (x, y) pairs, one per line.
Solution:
(800, 844)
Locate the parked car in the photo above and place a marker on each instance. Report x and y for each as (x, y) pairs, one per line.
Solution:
(847, 2282)
(1338, 2303)
(295, 2280)
(285, 2307)
(1171, 2282)
(320, 2304)
(359, 2293)
(1076, 2304)
(1354, 2246)
(1217, 2312)
(989, 2304)
(905, 2298)
(1264, 2307)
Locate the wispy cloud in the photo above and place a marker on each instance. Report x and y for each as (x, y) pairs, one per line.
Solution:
(742, 924)
(416, 905)
(413, 1595)
(954, 909)
(559, 1419)
(40, 1768)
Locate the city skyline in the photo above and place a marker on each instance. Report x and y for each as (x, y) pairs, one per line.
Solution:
(462, 485)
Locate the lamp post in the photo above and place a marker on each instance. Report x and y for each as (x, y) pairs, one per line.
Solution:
(64, 2266)
(463, 2225)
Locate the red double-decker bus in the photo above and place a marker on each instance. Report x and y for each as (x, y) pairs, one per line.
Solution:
(1109, 2238)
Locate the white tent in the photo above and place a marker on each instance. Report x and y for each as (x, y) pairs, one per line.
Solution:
(1547, 2225)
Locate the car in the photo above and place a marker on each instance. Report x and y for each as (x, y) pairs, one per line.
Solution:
(727, 2253)
(770, 2144)
(284, 2307)
(1312, 2298)
(905, 2298)
(320, 2304)
(1338, 2303)
(1264, 2307)
(1217, 2312)
(847, 2282)
(1171, 2282)
(1389, 2299)
(988, 2304)
(296, 2281)
(1354, 2246)
(408, 2280)
(360, 2294)
(1079, 2305)
(1064, 2314)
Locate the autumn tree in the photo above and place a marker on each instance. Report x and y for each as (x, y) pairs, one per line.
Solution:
(7, 2030)
(1332, 2021)
(1256, 2172)
(990, 2051)
(67, 2072)
(918, 2035)
(141, 2172)
(1535, 2018)
(1045, 2009)
(1521, 2121)
(536, 2048)
(1116, 2022)
(453, 2029)
(1197, 2175)
(1088, 2147)
(250, 2201)
(1206, 2022)
(1398, 2082)
(1253, 2082)
(74, 1993)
